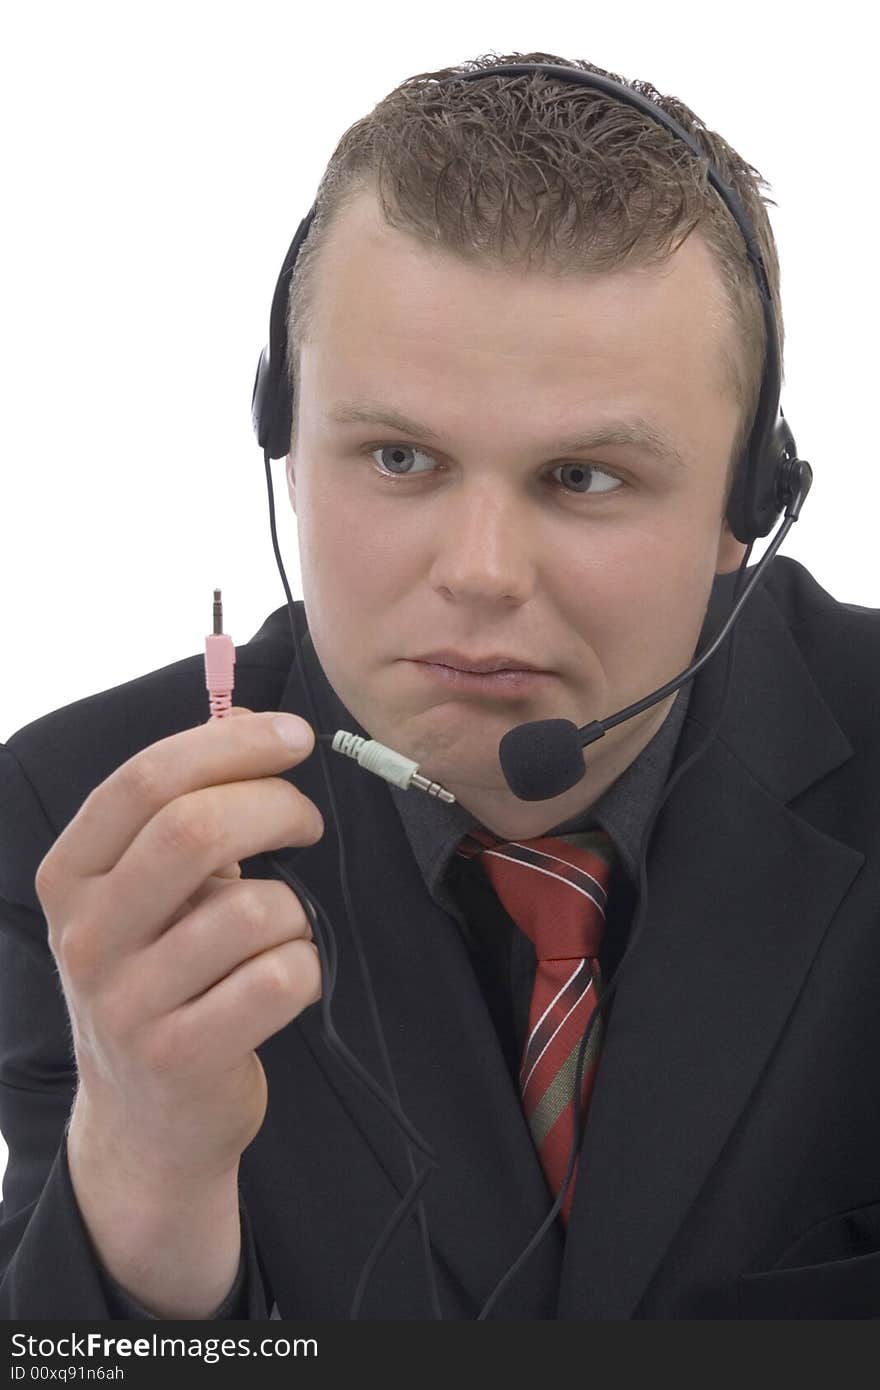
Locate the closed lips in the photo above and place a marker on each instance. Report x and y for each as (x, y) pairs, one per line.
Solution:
(479, 665)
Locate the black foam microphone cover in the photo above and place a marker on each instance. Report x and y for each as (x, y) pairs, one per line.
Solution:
(542, 758)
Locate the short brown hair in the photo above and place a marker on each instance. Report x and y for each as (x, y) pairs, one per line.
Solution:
(535, 172)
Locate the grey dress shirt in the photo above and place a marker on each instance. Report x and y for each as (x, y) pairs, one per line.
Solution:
(503, 957)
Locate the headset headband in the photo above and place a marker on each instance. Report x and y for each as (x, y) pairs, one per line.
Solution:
(758, 490)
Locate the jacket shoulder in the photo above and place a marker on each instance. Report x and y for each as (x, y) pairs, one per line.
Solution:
(839, 643)
(797, 592)
(822, 625)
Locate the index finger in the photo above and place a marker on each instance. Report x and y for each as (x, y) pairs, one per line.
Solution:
(115, 812)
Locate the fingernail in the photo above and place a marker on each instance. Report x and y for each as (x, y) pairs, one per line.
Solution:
(294, 732)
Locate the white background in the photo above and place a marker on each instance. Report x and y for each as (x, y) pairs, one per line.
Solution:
(157, 160)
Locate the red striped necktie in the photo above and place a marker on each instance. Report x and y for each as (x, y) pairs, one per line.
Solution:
(556, 892)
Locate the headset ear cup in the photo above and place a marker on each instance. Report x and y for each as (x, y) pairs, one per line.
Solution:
(738, 516)
(260, 408)
(272, 402)
(282, 418)
(753, 507)
(772, 476)
(271, 408)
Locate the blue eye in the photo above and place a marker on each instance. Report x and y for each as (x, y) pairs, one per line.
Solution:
(582, 474)
(396, 462)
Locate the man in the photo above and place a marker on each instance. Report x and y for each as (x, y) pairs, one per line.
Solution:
(496, 458)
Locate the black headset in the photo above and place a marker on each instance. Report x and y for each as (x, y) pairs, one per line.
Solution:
(542, 758)
(763, 477)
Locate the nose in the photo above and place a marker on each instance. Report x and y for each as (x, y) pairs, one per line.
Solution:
(485, 551)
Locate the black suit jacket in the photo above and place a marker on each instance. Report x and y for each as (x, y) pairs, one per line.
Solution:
(731, 1164)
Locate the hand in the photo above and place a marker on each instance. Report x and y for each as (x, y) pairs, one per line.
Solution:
(174, 968)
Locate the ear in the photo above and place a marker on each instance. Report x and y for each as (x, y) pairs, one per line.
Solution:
(291, 480)
(730, 551)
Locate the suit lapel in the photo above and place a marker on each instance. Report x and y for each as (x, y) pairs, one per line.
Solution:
(741, 891)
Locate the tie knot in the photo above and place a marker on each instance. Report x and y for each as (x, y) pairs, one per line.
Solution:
(554, 888)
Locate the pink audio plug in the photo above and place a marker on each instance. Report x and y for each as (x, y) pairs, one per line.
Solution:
(375, 757)
(219, 664)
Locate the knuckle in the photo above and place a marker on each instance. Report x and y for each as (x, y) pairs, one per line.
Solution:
(78, 951)
(250, 905)
(260, 904)
(48, 876)
(143, 781)
(275, 976)
(187, 824)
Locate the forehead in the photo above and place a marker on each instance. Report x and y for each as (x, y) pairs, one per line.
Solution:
(359, 236)
(383, 298)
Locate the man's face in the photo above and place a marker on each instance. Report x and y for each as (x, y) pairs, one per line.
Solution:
(479, 528)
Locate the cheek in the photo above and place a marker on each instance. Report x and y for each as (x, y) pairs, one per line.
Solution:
(350, 567)
(639, 601)
(341, 525)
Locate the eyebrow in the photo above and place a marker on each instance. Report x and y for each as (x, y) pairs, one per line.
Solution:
(635, 430)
